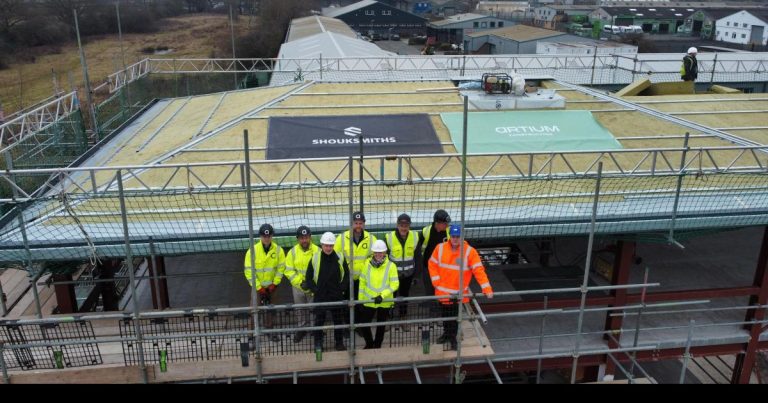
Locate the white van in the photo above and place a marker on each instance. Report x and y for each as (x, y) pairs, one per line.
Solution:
(632, 29)
(611, 29)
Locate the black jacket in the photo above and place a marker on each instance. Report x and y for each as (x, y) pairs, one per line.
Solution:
(690, 67)
(435, 238)
(330, 286)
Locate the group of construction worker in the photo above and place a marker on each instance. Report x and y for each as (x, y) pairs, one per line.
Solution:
(379, 269)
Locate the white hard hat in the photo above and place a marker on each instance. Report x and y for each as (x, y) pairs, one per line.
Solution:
(379, 246)
(328, 238)
(692, 50)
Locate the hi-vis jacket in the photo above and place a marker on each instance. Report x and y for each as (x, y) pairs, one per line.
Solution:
(362, 251)
(296, 262)
(444, 270)
(403, 256)
(270, 265)
(378, 281)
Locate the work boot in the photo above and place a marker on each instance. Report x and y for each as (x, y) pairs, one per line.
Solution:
(340, 345)
(300, 335)
(405, 327)
(275, 337)
(454, 344)
(443, 339)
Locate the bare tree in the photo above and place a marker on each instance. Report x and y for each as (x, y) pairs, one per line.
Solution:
(12, 12)
(62, 9)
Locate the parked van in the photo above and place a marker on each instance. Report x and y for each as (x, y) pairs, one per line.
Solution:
(631, 29)
(611, 29)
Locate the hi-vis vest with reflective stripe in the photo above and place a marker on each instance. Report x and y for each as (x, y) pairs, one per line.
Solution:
(375, 281)
(270, 265)
(296, 262)
(362, 251)
(403, 257)
(316, 266)
(444, 270)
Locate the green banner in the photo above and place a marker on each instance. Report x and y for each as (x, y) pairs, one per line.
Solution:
(529, 131)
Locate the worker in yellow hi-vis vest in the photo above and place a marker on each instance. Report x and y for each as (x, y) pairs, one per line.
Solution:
(361, 242)
(268, 270)
(296, 262)
(378, 281)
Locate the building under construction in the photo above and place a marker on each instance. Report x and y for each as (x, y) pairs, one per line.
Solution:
(620, 231)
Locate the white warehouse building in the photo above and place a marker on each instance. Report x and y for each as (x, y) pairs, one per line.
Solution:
(743, 27)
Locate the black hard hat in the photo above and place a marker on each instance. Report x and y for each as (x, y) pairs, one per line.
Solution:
(441, 216)
(404, 218)
(303, 230)
(266, 229)
(358, 215)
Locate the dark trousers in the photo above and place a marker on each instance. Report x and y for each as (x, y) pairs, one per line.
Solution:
(451, 327)
(366, 316)
(428, 289)
(337, 314)
(404, 291)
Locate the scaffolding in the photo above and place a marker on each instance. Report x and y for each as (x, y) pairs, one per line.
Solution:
(663, 195)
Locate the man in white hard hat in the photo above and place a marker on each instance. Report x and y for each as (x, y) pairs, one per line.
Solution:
(378, 281)
(689, 71)
(328, 279)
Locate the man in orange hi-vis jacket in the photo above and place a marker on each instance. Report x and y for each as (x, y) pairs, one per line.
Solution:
(444, 272)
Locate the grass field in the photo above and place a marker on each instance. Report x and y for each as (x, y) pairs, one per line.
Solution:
(188, 36)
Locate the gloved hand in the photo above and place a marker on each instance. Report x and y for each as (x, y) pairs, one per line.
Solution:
(262, 291)
(489, 295)
(271, 288)
(378, 299)
(304, 286)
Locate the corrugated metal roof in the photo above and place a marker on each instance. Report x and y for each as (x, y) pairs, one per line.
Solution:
(335, 12)
(520, 33)
(330, 44)
(307, 26)
(650, 12)
(459, 18)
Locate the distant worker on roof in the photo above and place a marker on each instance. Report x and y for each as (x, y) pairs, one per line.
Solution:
(296, 263)
(378, 282)
(444, 270)
(268, 270)
(689, 71)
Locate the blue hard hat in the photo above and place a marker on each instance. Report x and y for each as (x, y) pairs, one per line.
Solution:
(455, 230)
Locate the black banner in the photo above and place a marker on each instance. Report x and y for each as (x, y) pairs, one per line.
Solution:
(339, 136)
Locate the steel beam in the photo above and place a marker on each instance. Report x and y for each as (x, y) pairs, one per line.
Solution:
(65, 293)
(622, 264)
(742, 368)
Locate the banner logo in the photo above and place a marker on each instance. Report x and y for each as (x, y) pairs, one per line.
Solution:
(353, 131)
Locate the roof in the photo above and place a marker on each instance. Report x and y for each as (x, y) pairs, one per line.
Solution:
(332, 45)
(568, 8)
(204, 133)
(650, 12)
(591, 43)
(312, 25)
(760, 13)
(455, 19)
(337, 11)
(717, 13)
(520, 33)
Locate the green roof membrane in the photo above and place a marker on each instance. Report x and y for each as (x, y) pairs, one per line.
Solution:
(529, 131)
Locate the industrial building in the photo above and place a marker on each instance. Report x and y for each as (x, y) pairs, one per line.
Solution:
(618, 229)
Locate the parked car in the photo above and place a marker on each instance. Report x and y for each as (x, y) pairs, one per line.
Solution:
(376, 37)
(395, 37)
